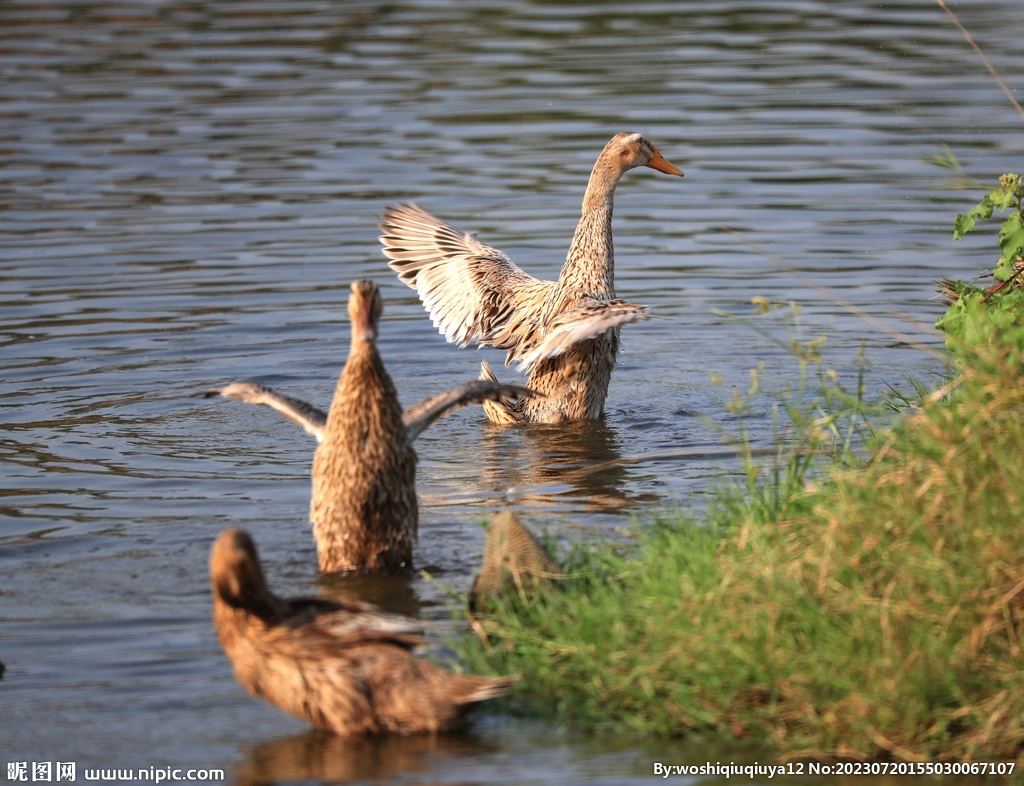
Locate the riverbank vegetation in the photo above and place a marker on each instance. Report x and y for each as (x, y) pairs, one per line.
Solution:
(861, 595)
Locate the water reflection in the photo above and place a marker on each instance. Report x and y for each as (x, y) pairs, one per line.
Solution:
(320, 756)
(395, 593)
(542, 467)
(492, 751)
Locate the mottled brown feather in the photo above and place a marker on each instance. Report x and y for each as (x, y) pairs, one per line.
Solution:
(475, 293)
(336, 666)
(512, 556)
(363, 505)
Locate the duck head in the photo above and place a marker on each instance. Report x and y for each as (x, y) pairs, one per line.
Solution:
(623, 152)
(237, 577)
(629, 150)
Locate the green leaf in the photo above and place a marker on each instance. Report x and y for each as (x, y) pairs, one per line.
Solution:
(977, 319)
(953, 320)
(1011, 241)
(1001, 198)
(962, 226)
(983, 211)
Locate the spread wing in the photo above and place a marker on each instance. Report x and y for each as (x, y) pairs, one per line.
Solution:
(313, 420)
(415, 418)
(418, 417)
(472, 292)
(587, 319)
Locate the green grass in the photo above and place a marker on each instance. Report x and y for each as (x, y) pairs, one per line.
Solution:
(830, 606)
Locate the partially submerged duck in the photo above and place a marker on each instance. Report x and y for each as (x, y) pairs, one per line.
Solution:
(337, 666)
(565, 333)
(363, 506)
(512, 557)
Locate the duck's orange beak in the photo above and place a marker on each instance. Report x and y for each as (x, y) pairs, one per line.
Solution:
(662, 164)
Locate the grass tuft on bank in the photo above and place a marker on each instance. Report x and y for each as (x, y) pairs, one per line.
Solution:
(830, 607)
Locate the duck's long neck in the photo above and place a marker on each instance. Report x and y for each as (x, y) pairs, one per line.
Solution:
(363, 387)
(590, 262)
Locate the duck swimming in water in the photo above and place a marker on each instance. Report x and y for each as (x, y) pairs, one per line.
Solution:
(338, 666)
(565, 333)
(363, 506)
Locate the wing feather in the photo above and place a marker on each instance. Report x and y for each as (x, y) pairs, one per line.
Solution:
(418, 417)
(472, 292)
(588, 319)
(311, 419)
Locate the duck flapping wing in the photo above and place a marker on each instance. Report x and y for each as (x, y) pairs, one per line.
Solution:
(418, 417)
(587, 319)
(472, 291)
(312, 419)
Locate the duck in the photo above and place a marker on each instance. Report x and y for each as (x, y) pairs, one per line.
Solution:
(564, 333)
(512, 556)
(363, 506)
(340, 666)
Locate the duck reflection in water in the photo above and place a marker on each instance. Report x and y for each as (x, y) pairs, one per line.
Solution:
(363, 506)
(320, 757)
(338, 666)
(394, 593)
(544, 466)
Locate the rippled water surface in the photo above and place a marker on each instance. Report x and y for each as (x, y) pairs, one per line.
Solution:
(186, 191)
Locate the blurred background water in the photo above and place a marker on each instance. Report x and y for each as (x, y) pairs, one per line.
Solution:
(188, 188)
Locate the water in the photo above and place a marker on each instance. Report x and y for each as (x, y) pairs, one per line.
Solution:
(186, 191)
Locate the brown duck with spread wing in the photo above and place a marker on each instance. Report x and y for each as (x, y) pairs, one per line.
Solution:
(564, 332)
(363, 506)
(337, 666)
